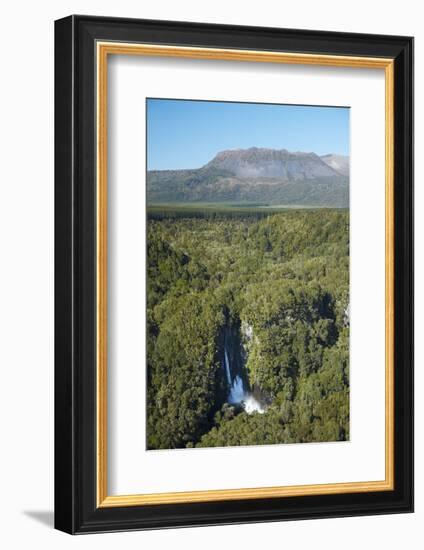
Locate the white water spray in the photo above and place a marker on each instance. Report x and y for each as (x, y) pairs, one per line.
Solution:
(238, 395)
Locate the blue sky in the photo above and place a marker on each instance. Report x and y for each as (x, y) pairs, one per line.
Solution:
(188, 134)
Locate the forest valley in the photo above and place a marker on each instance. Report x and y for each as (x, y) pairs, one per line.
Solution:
(247, 326)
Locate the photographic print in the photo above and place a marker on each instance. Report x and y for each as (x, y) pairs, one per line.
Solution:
(247, 274)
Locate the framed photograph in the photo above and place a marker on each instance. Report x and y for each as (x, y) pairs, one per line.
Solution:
(233, 274)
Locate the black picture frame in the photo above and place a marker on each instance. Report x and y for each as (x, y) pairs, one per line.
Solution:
(76, 508)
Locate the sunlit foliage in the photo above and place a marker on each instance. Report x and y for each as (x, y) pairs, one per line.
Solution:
(284, 276)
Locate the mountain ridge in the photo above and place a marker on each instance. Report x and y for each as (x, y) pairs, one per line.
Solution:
(273, 176)
(339, 163)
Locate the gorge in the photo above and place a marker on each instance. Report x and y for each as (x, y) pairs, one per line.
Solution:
(247, 332)
(236, 374)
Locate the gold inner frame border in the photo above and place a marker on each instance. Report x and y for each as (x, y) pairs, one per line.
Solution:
(103, 50)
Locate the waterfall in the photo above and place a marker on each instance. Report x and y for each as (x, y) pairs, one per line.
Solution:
(238, 395)
(227, 367)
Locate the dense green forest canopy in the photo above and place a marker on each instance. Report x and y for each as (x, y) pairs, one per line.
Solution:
(279, 280)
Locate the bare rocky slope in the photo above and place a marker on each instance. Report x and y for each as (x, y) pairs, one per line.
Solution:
(339, 163)
(260, 176)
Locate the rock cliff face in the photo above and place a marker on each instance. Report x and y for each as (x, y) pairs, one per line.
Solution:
(339, 163)
(272, 163)
(264, 176)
